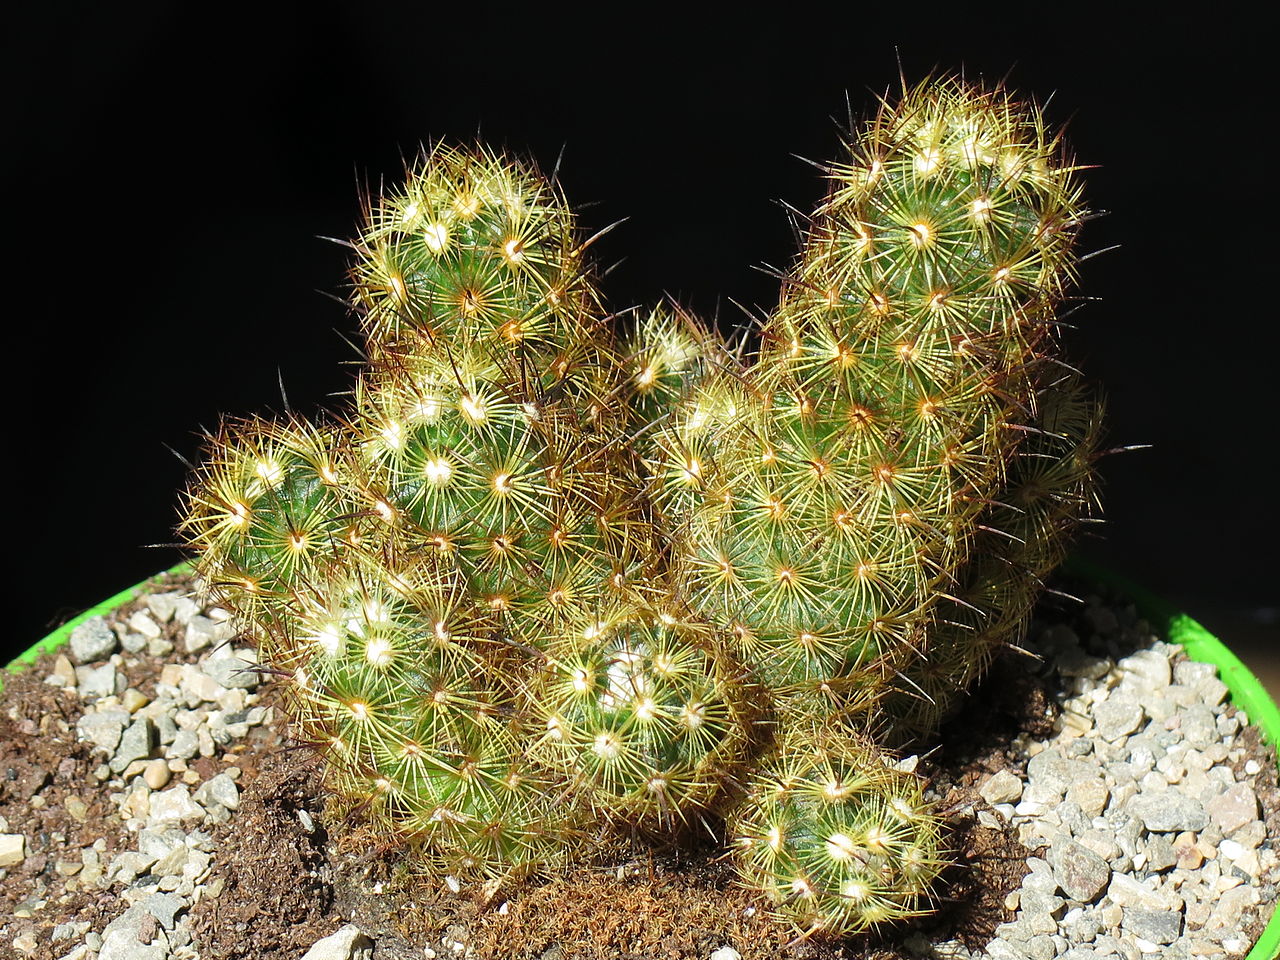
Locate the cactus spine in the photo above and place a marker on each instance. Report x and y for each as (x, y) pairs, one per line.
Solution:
(533, 582)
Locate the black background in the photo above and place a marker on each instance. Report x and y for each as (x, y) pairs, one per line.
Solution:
(169, 171)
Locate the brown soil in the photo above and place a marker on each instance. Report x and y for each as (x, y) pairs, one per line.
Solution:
(283, 884)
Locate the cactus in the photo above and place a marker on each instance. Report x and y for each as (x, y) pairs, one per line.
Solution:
(534, 583)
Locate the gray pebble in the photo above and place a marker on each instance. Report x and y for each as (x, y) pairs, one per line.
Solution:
(163, 606)
(1191, 672)
(1168, 811)
(1117, 716)
(1147, 669)
(164, 907)
(103, 728)
(1158, 926)
(221, 790)
(234, 670)
(1160, 855)
(133, 642)
(98, 682)
(202, 632)
(1199, 726)
(166, 729)
(92, 640)
(66, 931)
(135, 744)
(120, 939)
(1079, 871)
(1002, 787)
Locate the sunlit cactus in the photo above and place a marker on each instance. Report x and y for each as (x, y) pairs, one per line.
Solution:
(649, 715)
(838, 480)
(532, 584)
(838, 840)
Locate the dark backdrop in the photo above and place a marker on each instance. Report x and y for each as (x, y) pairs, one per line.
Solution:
(169, 172)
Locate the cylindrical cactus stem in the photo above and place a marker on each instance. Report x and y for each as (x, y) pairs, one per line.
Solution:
(647, 714)
(500, 479)
(271, 506)
(665, 353)
(1051, 490)
(838, 502)
(480, 246)
(412, 698)
(834, 836)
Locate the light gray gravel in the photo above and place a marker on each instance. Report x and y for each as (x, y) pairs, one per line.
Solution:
(1151, 847)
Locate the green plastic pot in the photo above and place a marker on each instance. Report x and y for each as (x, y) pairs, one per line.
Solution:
(1247, 691)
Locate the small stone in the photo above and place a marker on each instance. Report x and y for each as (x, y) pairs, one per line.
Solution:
(103, 728)
(134, 700)
(1035, 902)
(156, 774)
(349, 943)
(64, 674)
(160, 647)
(92, 640)
(198, 685)
(12, 849)
(135, 744)
(1164, 811)
(186, 744)
(70, 930)
(726, 953)
(164, 907)
(1080, 872)
(1117, 716)
(203, 632)
(1160, 854)
(1130, 893)
(143, 624)
(234, 669)
(1091, 795)
(171, 864)
(1189, 672)
(1231, 906)
(122, 939)
(166, 729)
(128, 866)
(76, 808)
(1148, 669)
(220, 789)
(175, 804)
(1234, 807)
(1001, 787)
(1199, 726)
(99, 682)
(185, 610)
(1156, 926)
(162, 605)
(133, 642)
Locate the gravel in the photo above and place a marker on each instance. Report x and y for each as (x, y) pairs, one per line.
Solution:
(1148, 842)
(1151, 846)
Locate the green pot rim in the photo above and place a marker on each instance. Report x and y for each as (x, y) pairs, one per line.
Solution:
(1247, 692)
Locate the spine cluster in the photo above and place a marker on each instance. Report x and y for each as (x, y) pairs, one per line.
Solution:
(533, 582)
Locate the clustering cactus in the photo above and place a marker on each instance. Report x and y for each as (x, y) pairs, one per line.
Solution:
(534, 582)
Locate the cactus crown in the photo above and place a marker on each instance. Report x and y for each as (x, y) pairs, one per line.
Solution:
(532, 582)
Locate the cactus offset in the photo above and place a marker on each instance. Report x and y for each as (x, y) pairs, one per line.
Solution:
(533, 583)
